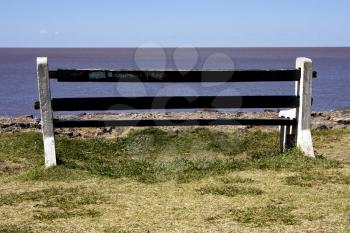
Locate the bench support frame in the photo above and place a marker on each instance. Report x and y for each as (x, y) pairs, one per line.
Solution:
(298, 133)
(301, 134)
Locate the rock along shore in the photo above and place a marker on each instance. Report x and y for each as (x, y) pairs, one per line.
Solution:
(320, 120)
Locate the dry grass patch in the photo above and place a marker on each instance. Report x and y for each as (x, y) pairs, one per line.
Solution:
(236, 179)
(229, 190)
(56, 202)
(335, 144)
(12, 228)
(193, 180)
(265, 216)
(317, 178)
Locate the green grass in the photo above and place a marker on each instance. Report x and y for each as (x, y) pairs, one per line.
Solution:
(229, 190)
(56, 202)
(65, 214)
(154, 155)
(316, 178)
(237, 179)
(10, 228)
(264, 216)
(188, 180)
(53, 197)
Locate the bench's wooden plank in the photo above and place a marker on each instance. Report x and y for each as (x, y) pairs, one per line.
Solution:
(170, 102)
(192, 122)
(175, 76)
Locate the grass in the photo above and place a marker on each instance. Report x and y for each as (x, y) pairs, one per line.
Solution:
(14, 229)
(65, 198)
(236, 179)
(264, 216)
(229, 190)
(56, 202)
(317, 178)
(189, 180)
(153, 155)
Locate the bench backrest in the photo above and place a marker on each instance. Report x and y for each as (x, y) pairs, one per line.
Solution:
(301, 100)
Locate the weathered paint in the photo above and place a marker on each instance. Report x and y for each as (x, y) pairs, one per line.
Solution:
(97, 75)
(303, 112)
(49, 150)
(302, 132)
(178, 76)
(46, 111)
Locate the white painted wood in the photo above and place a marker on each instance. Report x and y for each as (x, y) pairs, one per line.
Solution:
(303, 112)
(287, 133)
(290, 113)
(283, 137)
(46, 112)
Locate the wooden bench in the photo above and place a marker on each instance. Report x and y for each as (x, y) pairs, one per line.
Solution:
(294, 122)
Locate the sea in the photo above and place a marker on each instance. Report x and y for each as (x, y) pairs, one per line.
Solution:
(18, 83)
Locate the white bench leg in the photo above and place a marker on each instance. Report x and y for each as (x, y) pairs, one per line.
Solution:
(287, 133)
(46, 112)
(283, 137)
(303, 113)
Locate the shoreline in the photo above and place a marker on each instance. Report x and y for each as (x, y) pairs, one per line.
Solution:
(320, 120)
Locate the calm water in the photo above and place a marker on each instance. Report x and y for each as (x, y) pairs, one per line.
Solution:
(18, 85)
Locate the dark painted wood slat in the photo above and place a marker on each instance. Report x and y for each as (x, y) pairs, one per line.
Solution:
(175, 76)
(192, 122)
(169, 102)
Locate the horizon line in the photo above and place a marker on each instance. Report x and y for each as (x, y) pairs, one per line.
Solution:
(187, 47)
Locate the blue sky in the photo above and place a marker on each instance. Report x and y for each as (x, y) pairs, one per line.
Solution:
(162, 23)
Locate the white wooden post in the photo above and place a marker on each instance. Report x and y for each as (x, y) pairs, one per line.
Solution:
(46, 111)
(301, 134)
(303, 112)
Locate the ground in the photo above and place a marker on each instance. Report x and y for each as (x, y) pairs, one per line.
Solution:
(176, 180)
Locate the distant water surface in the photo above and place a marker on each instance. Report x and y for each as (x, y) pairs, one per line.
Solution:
(18, 85)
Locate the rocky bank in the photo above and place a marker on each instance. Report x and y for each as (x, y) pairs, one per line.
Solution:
(320, 120)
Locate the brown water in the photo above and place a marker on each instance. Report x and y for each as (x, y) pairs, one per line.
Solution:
(18, 86)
